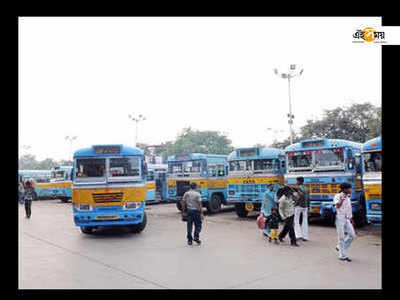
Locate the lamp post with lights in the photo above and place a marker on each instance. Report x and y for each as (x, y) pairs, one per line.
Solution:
(70, 139)
(292, 73)
(136, 119)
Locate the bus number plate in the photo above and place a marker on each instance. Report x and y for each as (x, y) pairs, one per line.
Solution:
(106, 217)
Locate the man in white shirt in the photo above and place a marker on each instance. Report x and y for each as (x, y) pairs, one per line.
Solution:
(344, 219)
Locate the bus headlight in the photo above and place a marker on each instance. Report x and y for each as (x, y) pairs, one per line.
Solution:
(84, 206)
(375, 206)
(132, 205)
(231, 193)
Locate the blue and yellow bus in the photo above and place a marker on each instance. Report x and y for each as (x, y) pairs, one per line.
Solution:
(61, 183)
(41, 180)
(251, 170)
(208, 171)
(109, 187)
(325, 164)
(156, 183)
(372, 179)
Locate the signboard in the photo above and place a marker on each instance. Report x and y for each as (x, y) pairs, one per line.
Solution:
(248, 152)
(313, 144)
(182, 157)
(111, 149)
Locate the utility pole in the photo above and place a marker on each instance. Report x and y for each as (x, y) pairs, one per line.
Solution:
(292, 73)
(137, 120)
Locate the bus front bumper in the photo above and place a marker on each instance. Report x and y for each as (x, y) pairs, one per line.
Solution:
(108, 218)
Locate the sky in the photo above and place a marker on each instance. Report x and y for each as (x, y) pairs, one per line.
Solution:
(83, 77)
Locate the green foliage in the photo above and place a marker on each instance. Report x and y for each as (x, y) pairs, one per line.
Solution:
(195, 141)
(358, 123)
(29, 162)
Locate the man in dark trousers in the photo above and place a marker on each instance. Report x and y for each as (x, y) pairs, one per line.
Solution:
(192, 204)
(286, 210)
(28, 195)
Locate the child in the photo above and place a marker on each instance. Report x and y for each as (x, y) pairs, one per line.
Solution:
(273, 223)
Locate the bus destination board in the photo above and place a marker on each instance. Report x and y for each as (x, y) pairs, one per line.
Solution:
(112, 149)
(248, 152)
(313, 144)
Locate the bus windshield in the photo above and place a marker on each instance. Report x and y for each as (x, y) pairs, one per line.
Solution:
(193, 166)
(175, 168)
(124, 167)
(300, 160)
(328, 158)
(240, 165)
(57, 174)
(373, 161)
(90, 169)
(264, 164)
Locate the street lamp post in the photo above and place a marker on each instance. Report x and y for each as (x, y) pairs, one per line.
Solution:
(292, 73)
(137, 120)
(70, 139)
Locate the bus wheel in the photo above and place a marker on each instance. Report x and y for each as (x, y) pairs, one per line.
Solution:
(360, 218)
(214, 205)
(86, 229)
(241, 210)
(137, 228)
(64, 199)
(179, 205)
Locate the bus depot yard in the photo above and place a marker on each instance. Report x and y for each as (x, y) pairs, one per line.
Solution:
(54, 254)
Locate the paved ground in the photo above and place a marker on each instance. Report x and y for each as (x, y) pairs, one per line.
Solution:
(54, 254)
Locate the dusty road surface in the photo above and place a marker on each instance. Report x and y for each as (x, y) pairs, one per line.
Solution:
(54, 254)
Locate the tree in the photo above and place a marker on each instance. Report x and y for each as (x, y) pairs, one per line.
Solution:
(192, 141)
(358, 123)
(354, 123)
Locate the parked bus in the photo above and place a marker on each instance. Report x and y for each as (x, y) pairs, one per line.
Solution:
(61, 183)
(325, 164)
(109, 187)
(372, 179)
(208, 171)
(156, 183)
(250, 172)
(41, 180)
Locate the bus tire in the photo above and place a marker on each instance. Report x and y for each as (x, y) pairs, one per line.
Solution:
(360, 217)
(64, 199)
(86, 229)
(241, 210)
(179, 206)
(137, 228)
(214, 205)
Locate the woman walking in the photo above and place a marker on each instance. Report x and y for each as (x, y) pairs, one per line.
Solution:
(267, 204)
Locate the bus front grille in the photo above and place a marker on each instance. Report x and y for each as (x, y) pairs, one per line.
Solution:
(107, 197)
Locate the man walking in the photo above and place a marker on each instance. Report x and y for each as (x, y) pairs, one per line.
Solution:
(192, 204)
(302, 206)
(344, 220)
(286, 210)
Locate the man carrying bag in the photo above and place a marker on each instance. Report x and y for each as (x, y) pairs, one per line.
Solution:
(192, 212)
